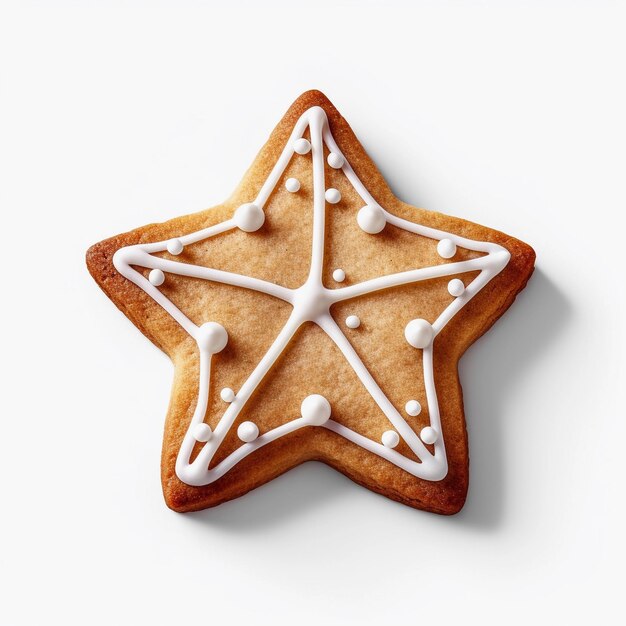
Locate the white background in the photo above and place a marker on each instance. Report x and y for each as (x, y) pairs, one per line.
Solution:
(116, 114)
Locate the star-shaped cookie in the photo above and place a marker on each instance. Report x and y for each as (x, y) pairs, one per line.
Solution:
(314, 316)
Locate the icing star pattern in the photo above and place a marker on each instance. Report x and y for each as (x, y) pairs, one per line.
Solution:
(311, 302)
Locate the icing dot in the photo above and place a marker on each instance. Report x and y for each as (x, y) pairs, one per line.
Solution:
(315, 410)
(371, 219)
(429, 435)
(292, 184)
(302, 146)
(156, 277)
(175, 246)
(332, 195)
(248, 431)
(419, 333)
(335, 160)
(249, 217)
(339, 275)
(227, 394)
(211, 337)
(202, 432)
(446, 248)
(413, 407)
(390, 439)
(456, 287)
(352, 321)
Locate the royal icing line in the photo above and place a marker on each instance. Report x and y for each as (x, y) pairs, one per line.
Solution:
(311, 302)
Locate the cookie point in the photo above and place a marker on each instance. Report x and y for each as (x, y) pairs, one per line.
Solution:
(390, 439)
(249, 217)
(247, 431)
(211, 337)
(419, 333)
(315, 409)
(371, 219)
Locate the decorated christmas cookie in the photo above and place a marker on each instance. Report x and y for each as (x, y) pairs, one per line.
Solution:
(314, 316)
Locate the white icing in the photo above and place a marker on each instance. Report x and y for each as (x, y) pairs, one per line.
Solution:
(371, 219)
(248, 431)
(413, 408)
(332, 195)
(315, 410)
(227, 394)
(446, 248)
(429, 435)
(352, 321)
(456, 287)
(292, 185)
(390, 439)
(419, 333)
(175, 246)
(156, 277)
(249, 217)
(311, 302)
(202, 432)
(335, 160)
(302, 146)
(339, 275)
(211, 337)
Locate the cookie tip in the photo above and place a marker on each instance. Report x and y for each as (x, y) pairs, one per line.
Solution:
(92, 256)
(175, 499)
(453, 507)
(312, 98)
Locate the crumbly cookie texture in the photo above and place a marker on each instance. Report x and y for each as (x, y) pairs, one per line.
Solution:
(314, 316)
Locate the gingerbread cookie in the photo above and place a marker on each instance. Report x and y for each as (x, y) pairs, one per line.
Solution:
(314, 316)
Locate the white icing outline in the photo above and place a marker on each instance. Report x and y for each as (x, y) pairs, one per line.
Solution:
(312, 302)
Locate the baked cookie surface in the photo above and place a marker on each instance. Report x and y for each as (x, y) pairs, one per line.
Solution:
(314, 316)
